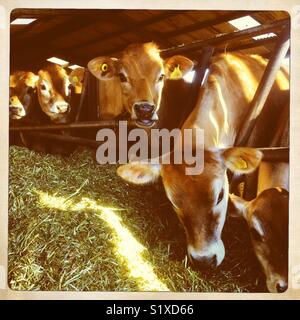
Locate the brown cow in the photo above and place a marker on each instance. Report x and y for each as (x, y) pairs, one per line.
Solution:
(133, 81)
(201, 201)
(267, 213)
(21, 94)
(267, 218)
(54, 92)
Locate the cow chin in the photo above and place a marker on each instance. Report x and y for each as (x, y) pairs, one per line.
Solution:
(144, 123)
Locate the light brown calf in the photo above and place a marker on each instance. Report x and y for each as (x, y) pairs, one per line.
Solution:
(133, 81)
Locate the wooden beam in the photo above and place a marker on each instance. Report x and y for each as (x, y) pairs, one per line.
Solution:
(132, 26)
(264, 87)
(226, 38)
(39, 22)
(44, 40)
(114, 17)
(43, 13)
(206, 23)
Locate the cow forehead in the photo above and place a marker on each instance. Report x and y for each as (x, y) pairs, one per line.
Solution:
(56, 78)
(141, 60)
(191, 191)
(270, 208)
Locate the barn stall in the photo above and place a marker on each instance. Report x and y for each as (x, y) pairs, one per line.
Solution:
(74, 224)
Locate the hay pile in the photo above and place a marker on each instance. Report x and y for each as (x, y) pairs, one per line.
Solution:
(75, 225)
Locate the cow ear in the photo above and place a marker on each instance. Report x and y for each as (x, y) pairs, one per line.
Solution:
(237, 207)
(31, 80)
(177, 67)
(76, 78)
(241, 160)
(139, 173)
(12, 81)
(103, 68)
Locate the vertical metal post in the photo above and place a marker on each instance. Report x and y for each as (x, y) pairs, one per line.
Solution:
(264, 87)
(200, 70)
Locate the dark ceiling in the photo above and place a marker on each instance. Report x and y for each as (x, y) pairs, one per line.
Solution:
(80, 35)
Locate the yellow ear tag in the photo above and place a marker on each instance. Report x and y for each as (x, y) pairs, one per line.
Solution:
(75, 79)
(176, 73)
(104, 67)
(241, 164)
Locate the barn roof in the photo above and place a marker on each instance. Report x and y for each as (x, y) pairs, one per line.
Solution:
(77, 35)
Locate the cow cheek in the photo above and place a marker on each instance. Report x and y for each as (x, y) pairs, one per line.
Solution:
(127, 97)
(44, 103)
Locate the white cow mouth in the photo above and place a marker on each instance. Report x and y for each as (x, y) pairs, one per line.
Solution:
(16, 117)
(144, 122)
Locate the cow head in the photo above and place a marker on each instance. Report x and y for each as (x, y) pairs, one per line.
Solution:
(54, 92)
(200, 201)
(140, 72)
(22, 86)
(267, 218)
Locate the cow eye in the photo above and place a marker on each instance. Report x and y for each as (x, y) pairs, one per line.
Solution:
(122, 77)
(161, 78)
(221, 196)
(43, 87)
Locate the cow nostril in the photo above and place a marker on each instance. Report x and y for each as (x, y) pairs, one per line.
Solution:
(281, 286)
(63, 108)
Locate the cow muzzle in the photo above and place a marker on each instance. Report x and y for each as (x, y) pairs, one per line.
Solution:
(61, 107)
(209, 258)
(144, 114)
(277, 284)
(16, 113)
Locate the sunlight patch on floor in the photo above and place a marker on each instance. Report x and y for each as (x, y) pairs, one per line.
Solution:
(128, 249)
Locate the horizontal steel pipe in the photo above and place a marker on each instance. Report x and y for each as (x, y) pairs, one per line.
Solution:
(226, 38)
(75, 125)
(280, 154)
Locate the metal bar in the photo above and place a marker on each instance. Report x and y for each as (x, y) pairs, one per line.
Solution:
(269, 154)
(64, 138)
(253, 44)
(224, 38)
(264, 87)
(83, 95)
(200, 69)
(74, 125)
(280, 154)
